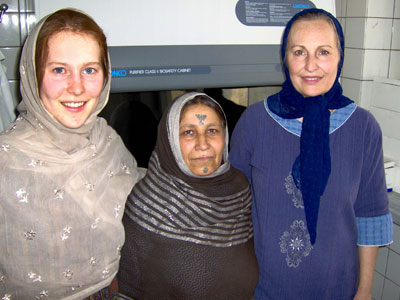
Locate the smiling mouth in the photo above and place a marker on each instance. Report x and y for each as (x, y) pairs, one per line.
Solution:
(73, 104)
(312, 79)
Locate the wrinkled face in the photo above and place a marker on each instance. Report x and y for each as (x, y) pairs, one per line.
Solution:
(202, 139)
(312, 56)
(73, 78)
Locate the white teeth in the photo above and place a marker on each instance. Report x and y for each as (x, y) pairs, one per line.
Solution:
(73, 104)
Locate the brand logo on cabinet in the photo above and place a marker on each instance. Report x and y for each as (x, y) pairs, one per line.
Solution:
(118, 73)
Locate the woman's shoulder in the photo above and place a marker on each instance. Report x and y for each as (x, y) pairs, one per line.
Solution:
(255, 111)
(365, 117)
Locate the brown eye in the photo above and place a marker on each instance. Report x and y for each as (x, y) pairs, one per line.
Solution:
(187, 133)
(213, 130)
(298, 52)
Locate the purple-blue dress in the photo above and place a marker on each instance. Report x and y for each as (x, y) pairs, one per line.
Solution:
(353, 209)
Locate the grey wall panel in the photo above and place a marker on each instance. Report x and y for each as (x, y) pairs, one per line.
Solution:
(147, 68)
(11, 61)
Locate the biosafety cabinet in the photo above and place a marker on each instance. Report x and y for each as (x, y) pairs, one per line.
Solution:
(186, 44)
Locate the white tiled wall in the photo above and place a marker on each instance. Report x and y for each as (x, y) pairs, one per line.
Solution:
(384, 103)
(396, 35)
(386, 277)
(397, 8)
(372, 35)
(381, 9)
(394, 69)
(378, 33)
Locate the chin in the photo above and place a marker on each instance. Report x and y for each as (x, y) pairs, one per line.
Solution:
(72, 125)
(202, 172)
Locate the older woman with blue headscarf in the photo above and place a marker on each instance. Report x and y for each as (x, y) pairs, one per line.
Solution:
(315, 163)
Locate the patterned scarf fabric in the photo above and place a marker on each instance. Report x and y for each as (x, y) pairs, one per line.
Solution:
(312, 168)
(209, 210)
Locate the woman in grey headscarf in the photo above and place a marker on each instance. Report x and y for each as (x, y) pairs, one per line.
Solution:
(65, 174)
(188, 221)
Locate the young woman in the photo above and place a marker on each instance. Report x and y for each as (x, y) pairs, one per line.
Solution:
(65, 174)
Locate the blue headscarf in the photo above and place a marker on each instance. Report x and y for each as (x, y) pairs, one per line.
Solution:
(312, 167)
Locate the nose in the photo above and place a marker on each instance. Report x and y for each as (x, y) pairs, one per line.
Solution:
(311, 63)
(201, 142)
(75, 84)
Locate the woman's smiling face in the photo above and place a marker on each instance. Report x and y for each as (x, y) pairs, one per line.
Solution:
(312, 56)
(202, 139)
(73, 78)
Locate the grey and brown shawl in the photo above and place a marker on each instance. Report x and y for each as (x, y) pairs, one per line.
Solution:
(215, 210)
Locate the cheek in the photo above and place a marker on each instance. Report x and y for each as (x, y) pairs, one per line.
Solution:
(51, 89)
(331, 69)
(94, 88)
(219, 147)
(185, 148)
(294, 65)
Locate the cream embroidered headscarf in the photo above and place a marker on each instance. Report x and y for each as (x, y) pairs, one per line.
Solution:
(63, 193)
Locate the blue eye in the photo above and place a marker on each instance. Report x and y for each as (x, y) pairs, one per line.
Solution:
(89, 71)
(58, 70)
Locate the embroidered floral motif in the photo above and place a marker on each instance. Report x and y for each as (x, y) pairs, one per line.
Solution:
(1, 278)
(35, 163)
(110, 174)
(89, 186)
(30, 235)
(125, 168)
(59, 194)
(93, 147)
(6, 297)
(295, 243)
(93, 261)
(5, 147)
(22, 195)
(292, 189)
(35, 277)
(105, 273)
(66, 233)
(76, 287)
(96, 222)
(117, 210)
(68, 274)
(42, 294)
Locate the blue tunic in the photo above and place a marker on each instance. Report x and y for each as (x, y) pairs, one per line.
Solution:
(264, 147)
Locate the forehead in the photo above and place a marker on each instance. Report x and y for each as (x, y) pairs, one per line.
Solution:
(68, 43)
(312, 31)
(192, 112)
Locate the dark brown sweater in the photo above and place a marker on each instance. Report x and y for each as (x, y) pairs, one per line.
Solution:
(154, 267)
